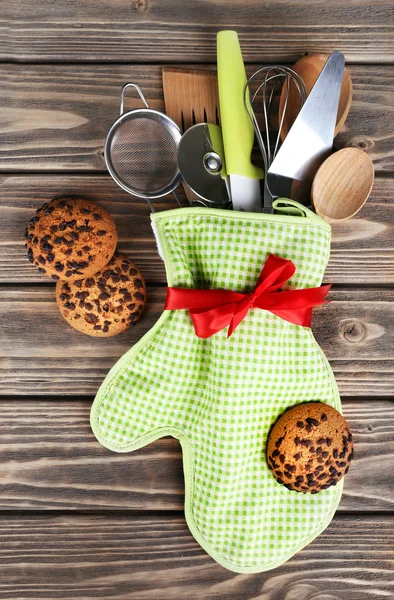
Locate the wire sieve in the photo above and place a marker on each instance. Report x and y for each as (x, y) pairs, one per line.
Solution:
(141, 151)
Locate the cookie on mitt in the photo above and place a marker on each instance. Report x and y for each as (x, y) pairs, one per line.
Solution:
(310, 447)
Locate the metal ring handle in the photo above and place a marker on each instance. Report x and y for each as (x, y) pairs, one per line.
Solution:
(135, 86)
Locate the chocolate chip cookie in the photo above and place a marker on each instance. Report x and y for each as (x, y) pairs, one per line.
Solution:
(310, 447)
(70, 238)
(106, 303)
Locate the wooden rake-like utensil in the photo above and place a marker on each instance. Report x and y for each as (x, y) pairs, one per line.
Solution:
(191, 96)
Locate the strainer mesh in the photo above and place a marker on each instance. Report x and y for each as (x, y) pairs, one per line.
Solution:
(144, 155)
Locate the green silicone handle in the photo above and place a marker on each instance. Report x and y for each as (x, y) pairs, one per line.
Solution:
(237, 129)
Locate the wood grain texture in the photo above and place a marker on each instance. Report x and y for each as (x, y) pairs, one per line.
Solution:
(149, 30)
(342, 184)
(20, 196)
(42, 354)
(56, 117)
(191, 96)
(51, 460)
(361, 252)
(148, 557)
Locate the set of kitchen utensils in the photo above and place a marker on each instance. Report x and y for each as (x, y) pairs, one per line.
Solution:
(208, 137)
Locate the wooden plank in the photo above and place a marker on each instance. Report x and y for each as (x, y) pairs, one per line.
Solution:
(147, 31)
(86, 556)
(42, 354)
(56, 117)
(20, 196)
(362, 250)
(51, 460)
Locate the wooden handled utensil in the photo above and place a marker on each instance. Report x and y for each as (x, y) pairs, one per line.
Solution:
(342, 184)
(190, 97)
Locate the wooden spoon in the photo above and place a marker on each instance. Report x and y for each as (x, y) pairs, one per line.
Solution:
(309, 67)
(342, 184)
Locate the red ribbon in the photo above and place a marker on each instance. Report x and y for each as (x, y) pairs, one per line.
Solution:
(213, 310)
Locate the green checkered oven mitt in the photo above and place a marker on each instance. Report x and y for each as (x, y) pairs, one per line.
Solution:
(220, 396)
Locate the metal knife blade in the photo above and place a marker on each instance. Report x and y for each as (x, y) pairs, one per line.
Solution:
(310, 139)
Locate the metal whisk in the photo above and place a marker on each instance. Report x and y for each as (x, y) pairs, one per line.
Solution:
(260, 90)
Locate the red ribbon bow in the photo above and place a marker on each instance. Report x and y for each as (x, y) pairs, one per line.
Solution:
(213, 310)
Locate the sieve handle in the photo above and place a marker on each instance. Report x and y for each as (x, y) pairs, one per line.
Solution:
(135, 86)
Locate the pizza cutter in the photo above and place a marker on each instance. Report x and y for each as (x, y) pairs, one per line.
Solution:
(202, 165)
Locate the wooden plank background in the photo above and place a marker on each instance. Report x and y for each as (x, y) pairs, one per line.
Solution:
(52, 461)
(114, 555)
(42, 354)
(56, 117)
(362, 248)
(179, 31)
(79, 521)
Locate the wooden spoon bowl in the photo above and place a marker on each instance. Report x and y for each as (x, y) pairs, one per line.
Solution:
(309, 68)
(342, 184)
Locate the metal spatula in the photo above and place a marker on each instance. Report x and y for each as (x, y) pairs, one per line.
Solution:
(310, 139)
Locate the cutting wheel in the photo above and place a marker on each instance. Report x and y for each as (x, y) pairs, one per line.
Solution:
(201, 162)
